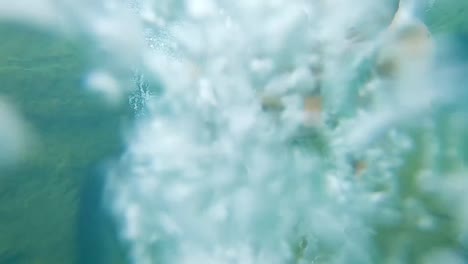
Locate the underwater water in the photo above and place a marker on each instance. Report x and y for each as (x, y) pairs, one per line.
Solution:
(249, 131)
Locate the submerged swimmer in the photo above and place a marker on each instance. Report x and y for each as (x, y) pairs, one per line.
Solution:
(405, 54)
(408, 45)
(406, 49)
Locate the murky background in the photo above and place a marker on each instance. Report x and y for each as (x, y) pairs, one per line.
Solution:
(134, 132)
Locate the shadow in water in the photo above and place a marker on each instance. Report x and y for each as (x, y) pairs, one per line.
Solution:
(98, 242)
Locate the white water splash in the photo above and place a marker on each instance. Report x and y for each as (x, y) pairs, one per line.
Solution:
(209, 177)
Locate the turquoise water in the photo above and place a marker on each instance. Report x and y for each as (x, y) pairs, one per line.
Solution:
(99, 185)
(50, 200)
